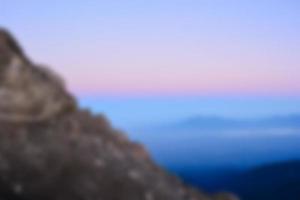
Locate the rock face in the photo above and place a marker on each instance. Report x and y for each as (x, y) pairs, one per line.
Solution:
(28, 93)
(52, 150)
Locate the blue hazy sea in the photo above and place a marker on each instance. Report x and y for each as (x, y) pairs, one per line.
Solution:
(216, 143)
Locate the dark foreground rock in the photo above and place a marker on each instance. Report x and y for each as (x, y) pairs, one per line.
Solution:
(51, 150)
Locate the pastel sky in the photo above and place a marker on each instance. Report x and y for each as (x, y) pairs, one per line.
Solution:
(151, 63)
(162, 47)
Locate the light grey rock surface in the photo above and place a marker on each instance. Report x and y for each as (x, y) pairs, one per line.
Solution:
(28, 92)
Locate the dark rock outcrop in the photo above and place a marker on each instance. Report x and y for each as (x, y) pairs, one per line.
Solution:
(52, 150)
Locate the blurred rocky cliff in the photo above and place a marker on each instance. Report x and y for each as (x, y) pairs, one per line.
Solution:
(52, 150)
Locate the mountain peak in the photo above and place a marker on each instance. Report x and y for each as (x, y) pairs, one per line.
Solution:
(72, 154)
(28, 92)
(9, 48)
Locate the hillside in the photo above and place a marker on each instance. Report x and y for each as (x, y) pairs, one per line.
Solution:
(274, 181)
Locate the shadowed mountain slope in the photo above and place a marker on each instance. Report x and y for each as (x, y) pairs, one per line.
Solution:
(52, 150)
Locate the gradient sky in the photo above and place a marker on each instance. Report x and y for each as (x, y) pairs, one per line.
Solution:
(162, 47)
(147, 63)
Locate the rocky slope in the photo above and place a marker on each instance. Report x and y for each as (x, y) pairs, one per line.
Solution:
(52, 150)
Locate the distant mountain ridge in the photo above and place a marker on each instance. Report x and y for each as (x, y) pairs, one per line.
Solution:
(275, 181)
(217, 123)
